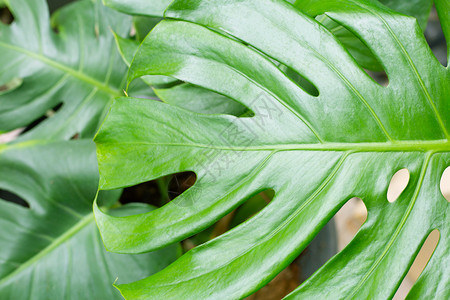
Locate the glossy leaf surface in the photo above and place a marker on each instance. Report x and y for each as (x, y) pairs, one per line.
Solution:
(69, 60)
(420, 9)
(315, 152)
(153, 8)
(52, 249)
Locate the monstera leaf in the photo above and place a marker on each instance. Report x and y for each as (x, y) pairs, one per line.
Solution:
(70, 60)
(314, 151)
(420, 9)
(52, 249)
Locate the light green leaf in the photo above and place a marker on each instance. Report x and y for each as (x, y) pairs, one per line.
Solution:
(127, 49)
(315, 152)
(139, 7)
(420, 9)
(52, 250)
(197, 99)
(78, 67)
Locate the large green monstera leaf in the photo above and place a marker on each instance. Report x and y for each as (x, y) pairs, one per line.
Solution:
(70, 59)
(315, 151)
(52, 249)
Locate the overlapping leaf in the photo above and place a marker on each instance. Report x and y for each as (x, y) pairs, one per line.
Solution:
(69, 60)
(52, 250)
(153, 8)
(315, 152)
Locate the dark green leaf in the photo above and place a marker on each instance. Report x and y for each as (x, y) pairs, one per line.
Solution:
(78, 67)
(52, 250)
(419, 9)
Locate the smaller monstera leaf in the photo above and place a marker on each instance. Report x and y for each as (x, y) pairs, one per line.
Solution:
(52, 249)
(68, 60)
(314, 151)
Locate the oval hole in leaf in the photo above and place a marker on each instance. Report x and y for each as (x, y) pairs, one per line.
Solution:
(398, 184)
(160, 191)
(349, 220)
(14, 198)
(6, 16)
(149, 192)
(445, 184)
(419, 264)
(48, 114)
(435, 37)
(300, 80)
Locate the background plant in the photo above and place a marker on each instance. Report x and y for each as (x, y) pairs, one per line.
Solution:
(58, 78)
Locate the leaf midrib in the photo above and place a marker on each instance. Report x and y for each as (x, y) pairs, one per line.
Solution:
(75, 73)
(398, 146)
(85, 221)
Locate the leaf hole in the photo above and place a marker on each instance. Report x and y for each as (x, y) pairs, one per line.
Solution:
(14, 198)
(6, 17)
(304, 83)
(435, 37)
(398, 184)
(150, 192)
(419, 264)
(349, 219)
(445, 184)
(179, 183)
(160, 191)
